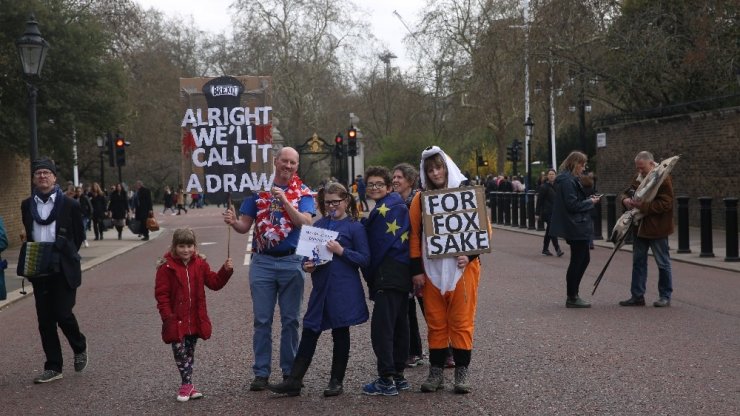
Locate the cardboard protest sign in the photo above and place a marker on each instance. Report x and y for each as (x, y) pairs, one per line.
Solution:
(455, 222)
(312, 243)
(226, 135)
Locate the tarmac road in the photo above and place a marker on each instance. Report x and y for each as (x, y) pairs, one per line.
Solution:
(532, 355)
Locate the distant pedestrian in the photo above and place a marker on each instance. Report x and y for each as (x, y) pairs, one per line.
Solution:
(100, 207)
(361, 189)
(3, 262)
(86, 208)
(337, 300)
(169, 201)
(144, 208)
(571, 220)
(118, 208)
(182, 275)
(181, 201)
(653, 232)
(545, 201)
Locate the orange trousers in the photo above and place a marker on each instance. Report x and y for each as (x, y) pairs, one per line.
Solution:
(451, 317)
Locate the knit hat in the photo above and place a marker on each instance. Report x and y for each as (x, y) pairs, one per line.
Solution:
(44, 163)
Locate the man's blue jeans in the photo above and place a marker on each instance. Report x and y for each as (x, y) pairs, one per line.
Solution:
(271, 280)
(639, 266)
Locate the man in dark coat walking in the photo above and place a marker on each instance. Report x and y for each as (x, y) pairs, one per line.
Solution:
(51, 217)
(144, 207)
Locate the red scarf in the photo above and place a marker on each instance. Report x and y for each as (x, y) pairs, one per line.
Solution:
(270, 229)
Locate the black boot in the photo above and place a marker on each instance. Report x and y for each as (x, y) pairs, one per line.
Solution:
(292, 386)
(338, 369)
(335, 388)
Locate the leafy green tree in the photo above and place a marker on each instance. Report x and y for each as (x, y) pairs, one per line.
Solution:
(81, 87)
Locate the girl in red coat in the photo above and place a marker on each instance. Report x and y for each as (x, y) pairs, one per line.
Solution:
(181, 299)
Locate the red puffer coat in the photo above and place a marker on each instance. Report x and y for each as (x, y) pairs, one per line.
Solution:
(181, 296)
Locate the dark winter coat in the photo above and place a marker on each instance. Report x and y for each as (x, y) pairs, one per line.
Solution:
(118, 205)
(571, 214)
(181, 296)
(337, 298)
(70, 235)
(100, 206)
(143, 204)
(545, 201)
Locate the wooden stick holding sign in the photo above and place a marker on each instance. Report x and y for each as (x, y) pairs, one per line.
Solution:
(455, 222)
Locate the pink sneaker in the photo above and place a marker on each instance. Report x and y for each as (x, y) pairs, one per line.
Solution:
(186, 390)
(195, 394)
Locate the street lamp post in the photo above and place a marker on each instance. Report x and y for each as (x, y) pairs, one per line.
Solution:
(32, 49)
(101, 148)
(528, 127)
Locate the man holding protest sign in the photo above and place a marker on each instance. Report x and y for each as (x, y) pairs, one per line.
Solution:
(275, 271)
(449, 281)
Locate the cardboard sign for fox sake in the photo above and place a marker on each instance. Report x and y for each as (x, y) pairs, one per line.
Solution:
(226, 135)
(455, 222)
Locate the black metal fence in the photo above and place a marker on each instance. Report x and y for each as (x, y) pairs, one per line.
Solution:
(517, 209)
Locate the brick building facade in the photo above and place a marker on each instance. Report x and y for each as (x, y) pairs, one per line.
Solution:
(15, 182)
(709, 145)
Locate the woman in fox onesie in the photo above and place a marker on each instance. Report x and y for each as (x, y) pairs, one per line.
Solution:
(450, 284)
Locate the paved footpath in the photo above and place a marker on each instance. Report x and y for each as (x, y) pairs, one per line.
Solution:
(532, 355)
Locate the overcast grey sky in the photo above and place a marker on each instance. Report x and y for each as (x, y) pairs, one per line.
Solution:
(214, 16)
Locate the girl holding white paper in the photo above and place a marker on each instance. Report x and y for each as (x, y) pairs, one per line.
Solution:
(337, 298)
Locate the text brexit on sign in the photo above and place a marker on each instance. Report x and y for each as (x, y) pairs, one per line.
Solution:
(455, 222)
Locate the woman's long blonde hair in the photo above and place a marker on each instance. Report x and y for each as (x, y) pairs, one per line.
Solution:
(574, 159)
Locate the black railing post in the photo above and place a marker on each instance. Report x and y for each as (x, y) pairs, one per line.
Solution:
(507, 208)
(514, 209)
(492, 204)
(500, 207)
(530, 209)
(683, 224)
(611, 213)
(705, 215)
(522, 209)
(731, 229)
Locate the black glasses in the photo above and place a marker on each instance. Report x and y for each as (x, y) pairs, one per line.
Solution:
(333, 203)
(376, 185)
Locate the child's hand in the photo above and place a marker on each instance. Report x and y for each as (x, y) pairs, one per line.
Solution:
(309, 266)
(335, 247)
(229, 265)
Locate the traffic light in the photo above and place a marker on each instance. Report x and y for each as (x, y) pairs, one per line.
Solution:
(352, 142)
(482, 162)
(339, 146)
(109, 146)
(120, 151)
(512, 152)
